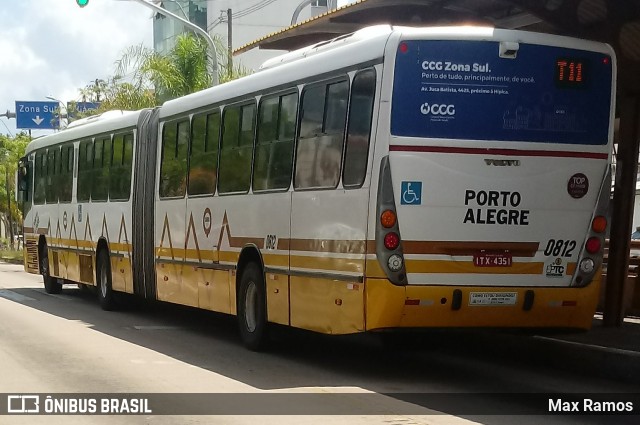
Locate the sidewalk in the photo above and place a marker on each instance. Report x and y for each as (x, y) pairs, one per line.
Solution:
(611, 353)
(608, 352)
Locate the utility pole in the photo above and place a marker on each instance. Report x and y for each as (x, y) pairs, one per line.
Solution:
(229, 43)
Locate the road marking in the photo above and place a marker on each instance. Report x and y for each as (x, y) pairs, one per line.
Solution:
(591, 346)
(157, 328)
(14, 296)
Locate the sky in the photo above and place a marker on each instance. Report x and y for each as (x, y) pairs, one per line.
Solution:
(54, 48)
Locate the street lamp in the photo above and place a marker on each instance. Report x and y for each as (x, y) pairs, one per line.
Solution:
(60, 116)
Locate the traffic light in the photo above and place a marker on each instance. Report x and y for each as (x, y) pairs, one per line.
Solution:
(82, 3)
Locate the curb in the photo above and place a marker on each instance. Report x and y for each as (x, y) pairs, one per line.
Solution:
(555, 353)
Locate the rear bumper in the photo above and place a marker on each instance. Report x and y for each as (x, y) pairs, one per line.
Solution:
(390, 306)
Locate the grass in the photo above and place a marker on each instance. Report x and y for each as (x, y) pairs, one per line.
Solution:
(10, 256)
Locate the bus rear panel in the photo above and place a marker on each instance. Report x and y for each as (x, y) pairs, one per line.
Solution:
(499, 159)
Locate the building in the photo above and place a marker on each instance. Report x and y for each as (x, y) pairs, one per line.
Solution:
(250, 20)
(165, 30)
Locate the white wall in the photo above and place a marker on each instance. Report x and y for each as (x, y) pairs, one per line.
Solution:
(274, 16)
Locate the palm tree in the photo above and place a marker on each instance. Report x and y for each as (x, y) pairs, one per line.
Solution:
(145, 79)
(184, 70)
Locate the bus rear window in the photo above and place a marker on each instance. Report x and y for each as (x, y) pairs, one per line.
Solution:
(465, 90)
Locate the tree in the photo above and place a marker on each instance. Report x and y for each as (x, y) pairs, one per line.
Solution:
(184, 70)
(11, 150)
(144, 78)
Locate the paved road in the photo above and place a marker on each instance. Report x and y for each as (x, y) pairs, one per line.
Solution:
(66, 344)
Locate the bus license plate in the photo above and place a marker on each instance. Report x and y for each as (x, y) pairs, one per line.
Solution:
(486, 259)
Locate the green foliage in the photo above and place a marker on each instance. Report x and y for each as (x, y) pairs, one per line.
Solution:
(9, 256)
(144, 78)
(11, 150)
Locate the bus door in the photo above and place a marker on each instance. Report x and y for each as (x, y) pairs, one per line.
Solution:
(330, 205)
(204, 217)
(170, 222)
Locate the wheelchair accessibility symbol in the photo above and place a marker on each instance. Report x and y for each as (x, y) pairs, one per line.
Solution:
(411, 193)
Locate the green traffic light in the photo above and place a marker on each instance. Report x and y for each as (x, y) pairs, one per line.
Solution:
(82, 3)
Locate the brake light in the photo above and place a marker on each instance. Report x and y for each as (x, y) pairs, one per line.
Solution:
(599, 224)
(391, 241)
(388, 240)
(593, 245)
(388, 219)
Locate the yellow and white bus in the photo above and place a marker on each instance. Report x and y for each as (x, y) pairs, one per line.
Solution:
(392, 178)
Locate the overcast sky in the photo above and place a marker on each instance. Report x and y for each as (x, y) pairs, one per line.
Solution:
(54, 47)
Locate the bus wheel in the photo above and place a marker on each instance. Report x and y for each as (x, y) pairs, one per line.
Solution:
(106, 296)
(51, 284)
(252, 315)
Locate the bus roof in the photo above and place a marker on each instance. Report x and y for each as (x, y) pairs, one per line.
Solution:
(103, 123)
(362, 47)
(366, 45)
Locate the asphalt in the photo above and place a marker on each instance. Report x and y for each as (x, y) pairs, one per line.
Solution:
(608, 352)
(612, 351)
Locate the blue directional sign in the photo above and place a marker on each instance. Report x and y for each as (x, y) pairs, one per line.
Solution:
(36, 115)
(74, 107)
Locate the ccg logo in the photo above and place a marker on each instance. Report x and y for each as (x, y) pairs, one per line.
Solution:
(438, 109)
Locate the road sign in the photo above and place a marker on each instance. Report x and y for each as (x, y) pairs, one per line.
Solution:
(74, 107)
(36, 115)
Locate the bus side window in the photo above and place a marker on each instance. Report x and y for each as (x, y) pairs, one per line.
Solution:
(66, 173)
(203, 157)
(101, 165)
(120, 175)
(363, 92)
(173, 166)
(274, 143)
(127, 163)
(24, 180)
(38, 181)
(236, 150)
(53, 165)
(319, 152)
(85, 169)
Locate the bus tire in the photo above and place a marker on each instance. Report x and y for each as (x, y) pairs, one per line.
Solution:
(106, 297)
(51, 284)
(252, 314)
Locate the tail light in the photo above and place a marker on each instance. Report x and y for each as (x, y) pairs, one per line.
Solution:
(388, 219)
(388, 240)
(593, 245)
(391, 241)
(599, 224)
(590, 258)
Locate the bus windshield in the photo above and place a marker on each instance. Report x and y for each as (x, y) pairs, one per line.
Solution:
(454, 89)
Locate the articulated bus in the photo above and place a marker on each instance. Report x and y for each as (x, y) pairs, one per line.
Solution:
(395, 178)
